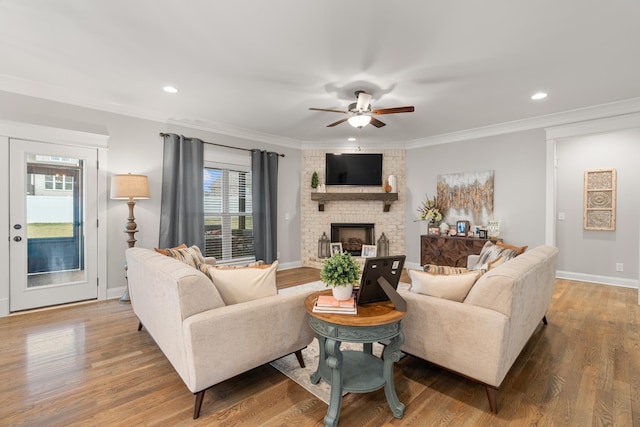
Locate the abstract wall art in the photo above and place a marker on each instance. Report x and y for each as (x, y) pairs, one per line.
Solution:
(466, 195)
(600, 199)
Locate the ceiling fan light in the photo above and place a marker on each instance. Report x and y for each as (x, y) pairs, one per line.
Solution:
(359, 121)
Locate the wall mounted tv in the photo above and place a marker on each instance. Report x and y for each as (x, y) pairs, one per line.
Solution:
(353, 169)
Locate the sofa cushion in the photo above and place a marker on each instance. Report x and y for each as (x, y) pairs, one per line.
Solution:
(255, 264)
(164, 251)
(491, 252)
(244, 284)
(443, 269)
(519, 249)
(190, 256)
(452, 287)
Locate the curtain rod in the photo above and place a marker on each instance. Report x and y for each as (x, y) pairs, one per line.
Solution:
(162, 134)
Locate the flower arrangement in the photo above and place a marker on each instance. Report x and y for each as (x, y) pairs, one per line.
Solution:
(429, 210)
(340, 269)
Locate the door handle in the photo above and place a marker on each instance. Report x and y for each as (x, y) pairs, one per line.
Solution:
(17, 238)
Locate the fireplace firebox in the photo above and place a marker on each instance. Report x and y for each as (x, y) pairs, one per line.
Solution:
(353, 236)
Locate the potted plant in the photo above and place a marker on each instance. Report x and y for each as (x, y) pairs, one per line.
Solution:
(314, 180)
(340, 272)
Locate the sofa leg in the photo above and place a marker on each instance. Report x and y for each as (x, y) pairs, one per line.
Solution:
(544, 320)
(139, 326)
(492, 395)
(299, 357)
(198, 404)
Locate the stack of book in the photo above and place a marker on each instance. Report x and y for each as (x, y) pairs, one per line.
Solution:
(328, 304)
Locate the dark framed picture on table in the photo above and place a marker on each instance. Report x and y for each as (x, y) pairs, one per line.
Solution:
(482, 233)
(462, 228)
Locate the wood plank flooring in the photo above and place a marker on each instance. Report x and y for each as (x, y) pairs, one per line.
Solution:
(86, 365)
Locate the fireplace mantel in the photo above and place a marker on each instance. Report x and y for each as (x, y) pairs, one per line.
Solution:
(387, 198)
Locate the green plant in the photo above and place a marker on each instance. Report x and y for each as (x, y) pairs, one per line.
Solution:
(340, 269)
(314, 180)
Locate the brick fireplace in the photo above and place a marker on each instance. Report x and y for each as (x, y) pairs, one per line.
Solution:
(351, 210)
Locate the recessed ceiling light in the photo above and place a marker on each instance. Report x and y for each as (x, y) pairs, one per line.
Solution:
(538, 96)
(170, 89)
(351, 139)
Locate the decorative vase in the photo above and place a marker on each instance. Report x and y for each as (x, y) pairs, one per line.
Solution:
(342, 293)
(444, 228)
(393, 183)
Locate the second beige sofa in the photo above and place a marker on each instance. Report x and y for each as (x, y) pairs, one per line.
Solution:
(481, 337)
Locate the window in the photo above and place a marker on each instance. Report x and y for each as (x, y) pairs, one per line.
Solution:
(228, 220)
(58, 182)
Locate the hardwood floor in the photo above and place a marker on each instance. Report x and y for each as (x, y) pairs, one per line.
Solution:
(87, 365)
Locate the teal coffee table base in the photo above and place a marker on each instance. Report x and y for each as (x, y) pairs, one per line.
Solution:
(357, 371)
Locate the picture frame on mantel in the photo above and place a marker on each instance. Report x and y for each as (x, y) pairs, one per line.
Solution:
(462, 228)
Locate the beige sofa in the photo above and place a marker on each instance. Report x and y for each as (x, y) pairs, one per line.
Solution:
(205, 340)
(481, 337)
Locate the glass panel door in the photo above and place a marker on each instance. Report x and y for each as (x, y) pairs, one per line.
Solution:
(53, 246)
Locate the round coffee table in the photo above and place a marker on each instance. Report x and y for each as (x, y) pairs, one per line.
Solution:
(357, 371)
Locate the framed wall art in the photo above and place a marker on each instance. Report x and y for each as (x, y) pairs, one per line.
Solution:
(600, 200)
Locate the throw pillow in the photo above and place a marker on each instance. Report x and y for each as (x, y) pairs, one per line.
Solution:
(164, 251)
(491, 252)
(190, 256)
(496, 262)
(244, 284)
(519, 249)
(453, 287)
(256, 264)
(443, 269)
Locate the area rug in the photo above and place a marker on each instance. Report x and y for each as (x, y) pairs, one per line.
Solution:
(289, 366)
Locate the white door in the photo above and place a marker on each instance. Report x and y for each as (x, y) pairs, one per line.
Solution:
(53, 224)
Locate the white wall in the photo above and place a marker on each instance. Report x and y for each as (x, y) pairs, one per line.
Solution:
(518, 162)
(592, 255)
(135, 146)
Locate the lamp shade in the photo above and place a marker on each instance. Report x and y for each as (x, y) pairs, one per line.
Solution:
(129, 186)
(360, 120)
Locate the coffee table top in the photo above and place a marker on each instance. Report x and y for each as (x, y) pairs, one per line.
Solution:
(374, 314)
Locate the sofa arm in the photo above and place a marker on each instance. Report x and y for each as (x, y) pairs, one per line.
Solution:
(472, 260)
(227, 341)
(467, 339)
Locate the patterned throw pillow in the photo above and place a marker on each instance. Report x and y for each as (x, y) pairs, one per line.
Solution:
(491, 252)
(164, 251)
(519, 249)
(443, 269)
(190, 256)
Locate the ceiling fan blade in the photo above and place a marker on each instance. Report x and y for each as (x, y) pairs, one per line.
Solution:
(337, 123)
(377, 123)
(364, 99)
(394, 110)
(328, 110)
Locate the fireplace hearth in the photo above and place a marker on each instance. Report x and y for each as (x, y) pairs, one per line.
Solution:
(353, 236)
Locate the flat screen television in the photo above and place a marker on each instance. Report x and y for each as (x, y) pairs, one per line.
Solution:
(389, 268)
(353, 169)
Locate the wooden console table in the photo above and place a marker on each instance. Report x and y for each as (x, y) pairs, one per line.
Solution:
(449, 250)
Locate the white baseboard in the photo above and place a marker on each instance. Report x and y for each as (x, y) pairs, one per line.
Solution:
(4, 307)
(412, 266)
(289, 265)
(113, 293)
(604, 280)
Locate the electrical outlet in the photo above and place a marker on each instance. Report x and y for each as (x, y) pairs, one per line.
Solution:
(619, 266)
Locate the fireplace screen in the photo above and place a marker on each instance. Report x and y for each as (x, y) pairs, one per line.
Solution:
(353, 236)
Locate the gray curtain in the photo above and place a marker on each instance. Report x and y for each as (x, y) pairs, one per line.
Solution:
(264, 182)
(182, 206)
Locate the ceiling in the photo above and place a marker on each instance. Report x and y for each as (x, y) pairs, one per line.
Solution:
(253, 68)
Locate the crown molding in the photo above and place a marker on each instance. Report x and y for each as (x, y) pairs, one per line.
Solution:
(51, 134)
(611, 109)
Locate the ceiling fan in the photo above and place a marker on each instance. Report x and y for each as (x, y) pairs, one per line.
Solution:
(360, 112)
